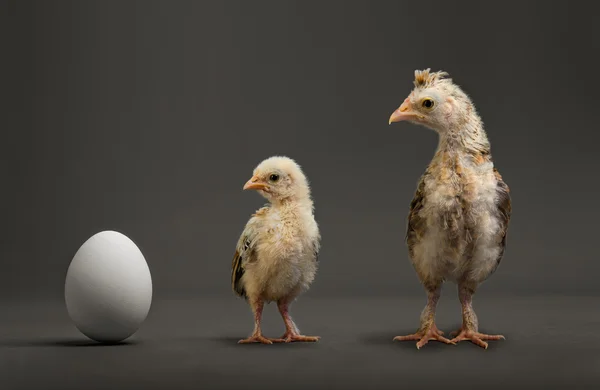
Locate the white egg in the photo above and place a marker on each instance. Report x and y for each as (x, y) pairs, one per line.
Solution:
(108, 288)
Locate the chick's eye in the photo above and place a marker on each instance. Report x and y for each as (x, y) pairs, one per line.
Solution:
(428, 103)
(274, 177)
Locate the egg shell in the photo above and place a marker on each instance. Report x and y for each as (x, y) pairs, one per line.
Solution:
(108, 287)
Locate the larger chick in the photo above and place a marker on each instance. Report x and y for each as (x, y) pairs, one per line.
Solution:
(460, 213)
(276, 256)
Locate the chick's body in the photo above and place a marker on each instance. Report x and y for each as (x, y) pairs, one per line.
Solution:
(283, 260)
(459, 216)
(276, 256)
(456, 228)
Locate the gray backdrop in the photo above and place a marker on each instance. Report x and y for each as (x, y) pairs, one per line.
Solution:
(148, 117)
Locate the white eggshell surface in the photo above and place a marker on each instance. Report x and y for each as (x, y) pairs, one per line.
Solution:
(108, 288)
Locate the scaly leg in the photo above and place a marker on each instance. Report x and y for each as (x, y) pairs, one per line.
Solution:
(428, 330)
(257, 337)
(291, 330)
(470, 326)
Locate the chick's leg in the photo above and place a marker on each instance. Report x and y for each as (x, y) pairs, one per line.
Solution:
(257, 337)
(469, 330)
(291, 330)
(428, 330)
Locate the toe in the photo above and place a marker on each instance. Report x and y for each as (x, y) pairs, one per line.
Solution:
(264, 340)
(255, 339)
(477, 341)
(281, 340)
(476, 338)
(409, 337)
(491, 336)
(422, 342)
(445, 340)
(308, 339)
(423, 337)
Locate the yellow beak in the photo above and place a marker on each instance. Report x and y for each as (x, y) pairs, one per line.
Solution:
(254, 184)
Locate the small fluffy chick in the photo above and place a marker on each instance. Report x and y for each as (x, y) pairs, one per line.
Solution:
(460, 213)
(276, 256)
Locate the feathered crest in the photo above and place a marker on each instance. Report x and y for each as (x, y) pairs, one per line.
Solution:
(426, 78)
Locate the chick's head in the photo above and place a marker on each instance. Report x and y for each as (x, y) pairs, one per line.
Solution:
(435, 102)
(279, 178)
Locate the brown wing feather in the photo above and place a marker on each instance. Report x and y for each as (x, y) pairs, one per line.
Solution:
(237, 266)
(244, 252)
(415, 224)
(504, 207)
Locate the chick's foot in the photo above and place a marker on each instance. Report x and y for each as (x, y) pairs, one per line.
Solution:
(424, 336)
(255, 339)
(294, 337)
(474, 337)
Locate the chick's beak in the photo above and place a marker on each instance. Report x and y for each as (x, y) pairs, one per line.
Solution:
(254, 184)
(404, 113)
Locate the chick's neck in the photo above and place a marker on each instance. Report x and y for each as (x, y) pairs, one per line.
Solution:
(293, 204)
(467, 136)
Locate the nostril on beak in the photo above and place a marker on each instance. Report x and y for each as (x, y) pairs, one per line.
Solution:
(405, 105)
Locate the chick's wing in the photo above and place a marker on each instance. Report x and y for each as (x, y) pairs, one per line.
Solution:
(244, 251)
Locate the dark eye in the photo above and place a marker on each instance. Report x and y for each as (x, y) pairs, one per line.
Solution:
(274, 177)
(428, 103)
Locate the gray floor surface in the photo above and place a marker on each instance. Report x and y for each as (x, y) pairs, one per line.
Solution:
(552, 342)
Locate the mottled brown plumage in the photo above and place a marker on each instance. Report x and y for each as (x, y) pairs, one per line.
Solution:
(459, 216)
